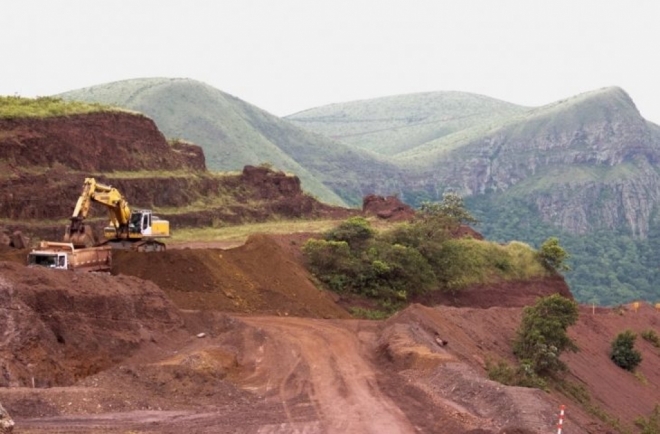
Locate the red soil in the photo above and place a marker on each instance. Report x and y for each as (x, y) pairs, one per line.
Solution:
(240, 340)
(114, 354)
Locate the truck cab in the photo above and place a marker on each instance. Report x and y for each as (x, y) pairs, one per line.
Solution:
(56, 260)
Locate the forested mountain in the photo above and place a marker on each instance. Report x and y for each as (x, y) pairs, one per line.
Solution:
(585, 169)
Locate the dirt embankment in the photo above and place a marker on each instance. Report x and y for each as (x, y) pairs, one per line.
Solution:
(59, 327)
(43, 163)
(131, 359)
(95, 142)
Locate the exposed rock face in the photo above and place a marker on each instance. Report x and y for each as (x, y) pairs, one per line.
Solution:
(41, 348)
(585, 163)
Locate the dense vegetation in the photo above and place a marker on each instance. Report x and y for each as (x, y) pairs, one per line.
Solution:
(414, 258)
(607, 268)
(18, 107)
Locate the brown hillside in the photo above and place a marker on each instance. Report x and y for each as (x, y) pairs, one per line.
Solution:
(125, 358)
(95, 142)
(45, 161)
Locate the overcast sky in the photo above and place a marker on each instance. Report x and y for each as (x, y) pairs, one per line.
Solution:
(289, 55)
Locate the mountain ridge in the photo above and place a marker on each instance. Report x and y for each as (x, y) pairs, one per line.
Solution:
(234, 133)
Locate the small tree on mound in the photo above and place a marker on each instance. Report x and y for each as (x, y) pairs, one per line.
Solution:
(542, 334)
(623, 352)
(553, 256)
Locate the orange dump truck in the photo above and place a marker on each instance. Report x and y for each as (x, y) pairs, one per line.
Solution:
(64, 256)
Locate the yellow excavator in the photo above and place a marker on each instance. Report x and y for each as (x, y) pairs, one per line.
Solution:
(130, 229)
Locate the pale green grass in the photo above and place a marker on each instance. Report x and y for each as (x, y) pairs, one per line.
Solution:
(240, 233)
(486, 261)
(18, 107)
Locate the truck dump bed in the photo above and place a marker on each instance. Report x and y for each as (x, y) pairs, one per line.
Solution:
(66, 256)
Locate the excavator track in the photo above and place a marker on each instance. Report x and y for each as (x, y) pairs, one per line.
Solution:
(149, 246)
(136, 245)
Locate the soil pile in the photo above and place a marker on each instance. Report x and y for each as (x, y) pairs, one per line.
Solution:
(260, 276)
(57, 327)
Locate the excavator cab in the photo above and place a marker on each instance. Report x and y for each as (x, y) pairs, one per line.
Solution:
(140, 232)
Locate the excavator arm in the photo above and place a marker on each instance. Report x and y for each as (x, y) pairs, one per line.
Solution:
(118, 211)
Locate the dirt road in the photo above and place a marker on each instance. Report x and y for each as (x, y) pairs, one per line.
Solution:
(341, 381)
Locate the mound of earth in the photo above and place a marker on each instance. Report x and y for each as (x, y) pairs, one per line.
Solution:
(260, 276)
(59, 327)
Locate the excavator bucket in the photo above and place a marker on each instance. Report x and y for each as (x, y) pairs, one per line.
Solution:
(83, 237)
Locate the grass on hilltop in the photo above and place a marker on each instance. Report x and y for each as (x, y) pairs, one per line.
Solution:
(41, 107)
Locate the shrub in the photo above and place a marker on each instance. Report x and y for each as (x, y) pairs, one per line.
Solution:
(650, 425)
(522, 376)
(652, 337)
(623, 352)
(401, 269)
(331, 262)
(451, 207)
(542, 337)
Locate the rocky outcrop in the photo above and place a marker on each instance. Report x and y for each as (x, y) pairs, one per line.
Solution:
(387, 208)
(584, 163)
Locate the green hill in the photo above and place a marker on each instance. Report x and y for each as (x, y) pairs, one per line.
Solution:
(234, 133)
(395, 124)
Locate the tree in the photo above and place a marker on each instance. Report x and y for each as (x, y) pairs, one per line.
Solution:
(452, 207)
(542, 337)
(623, 352)
(553, 256)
